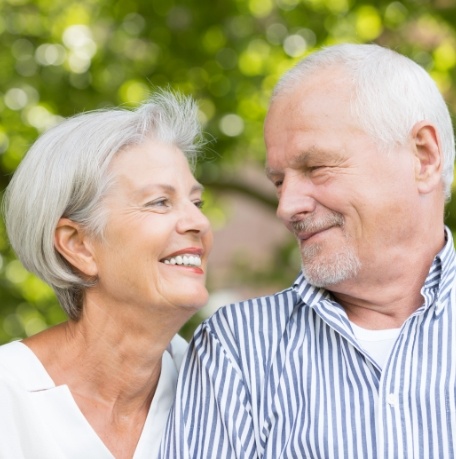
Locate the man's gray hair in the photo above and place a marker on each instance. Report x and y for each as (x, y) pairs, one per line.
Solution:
(66, 174)
(391, 93)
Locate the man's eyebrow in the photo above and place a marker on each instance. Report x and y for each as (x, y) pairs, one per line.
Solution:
(298, 161)
(270, 172)
(306, 156)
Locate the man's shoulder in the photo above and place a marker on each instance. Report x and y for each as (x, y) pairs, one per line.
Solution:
(247, 333)
(258, 314)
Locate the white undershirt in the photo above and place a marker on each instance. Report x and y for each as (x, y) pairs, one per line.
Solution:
(377, 343)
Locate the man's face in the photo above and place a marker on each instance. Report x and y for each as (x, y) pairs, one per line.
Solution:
(349, 203)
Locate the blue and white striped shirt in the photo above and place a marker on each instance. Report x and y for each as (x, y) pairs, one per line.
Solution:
(283, 377)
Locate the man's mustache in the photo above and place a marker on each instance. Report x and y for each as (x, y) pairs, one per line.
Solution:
(315, 224)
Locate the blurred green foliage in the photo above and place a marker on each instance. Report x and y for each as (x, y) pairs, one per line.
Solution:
(60, 57)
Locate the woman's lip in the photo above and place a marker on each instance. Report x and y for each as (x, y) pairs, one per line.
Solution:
(194, 269)
(188, 251)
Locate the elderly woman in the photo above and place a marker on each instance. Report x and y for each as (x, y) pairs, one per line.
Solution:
(104, 208)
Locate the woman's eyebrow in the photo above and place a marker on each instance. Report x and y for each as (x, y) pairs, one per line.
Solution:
(147, 189)
(197, 187)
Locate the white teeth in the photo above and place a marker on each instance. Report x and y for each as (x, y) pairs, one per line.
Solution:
(184, 260)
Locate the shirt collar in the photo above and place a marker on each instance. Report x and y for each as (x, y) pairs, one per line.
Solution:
(440, 279)
(436, 288)
(309, 294)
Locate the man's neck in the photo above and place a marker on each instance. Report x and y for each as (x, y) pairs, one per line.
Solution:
(387, 297)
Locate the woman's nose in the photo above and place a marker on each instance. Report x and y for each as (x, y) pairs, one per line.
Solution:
(193, 219)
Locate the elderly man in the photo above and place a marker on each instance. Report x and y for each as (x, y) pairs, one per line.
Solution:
(358, 358)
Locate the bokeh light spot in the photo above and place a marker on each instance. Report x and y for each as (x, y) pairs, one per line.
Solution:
(231, 125)
(133, 92)
(15, 272)
(16, 99)
(294, 45)
(368, 23)
(50, 54)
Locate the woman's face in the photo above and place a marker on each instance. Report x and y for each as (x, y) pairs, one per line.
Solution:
(156, 240)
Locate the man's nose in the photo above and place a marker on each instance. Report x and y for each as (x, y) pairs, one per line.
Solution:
(295, 198)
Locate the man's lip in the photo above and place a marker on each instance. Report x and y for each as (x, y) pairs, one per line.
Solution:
(304, 236)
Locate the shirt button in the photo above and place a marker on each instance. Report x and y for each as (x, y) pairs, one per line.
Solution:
(391, 399)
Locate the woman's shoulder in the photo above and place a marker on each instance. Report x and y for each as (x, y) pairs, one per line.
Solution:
(19, 365)
(14, 367)
(12, 355)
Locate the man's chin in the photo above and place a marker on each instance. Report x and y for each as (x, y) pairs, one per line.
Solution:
(328, 273)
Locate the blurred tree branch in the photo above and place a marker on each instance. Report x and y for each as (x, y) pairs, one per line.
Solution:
(237, 186)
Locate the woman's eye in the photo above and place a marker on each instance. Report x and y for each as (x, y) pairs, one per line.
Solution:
(199, 203)
(158, 203)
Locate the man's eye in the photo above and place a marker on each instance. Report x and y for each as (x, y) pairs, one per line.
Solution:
(278, 183)
(315, 168)
(199, 203)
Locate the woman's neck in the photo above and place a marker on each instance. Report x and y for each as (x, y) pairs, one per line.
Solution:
(111, 363)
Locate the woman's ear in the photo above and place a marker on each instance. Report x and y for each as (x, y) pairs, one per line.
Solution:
(428, 156)
(72, 242)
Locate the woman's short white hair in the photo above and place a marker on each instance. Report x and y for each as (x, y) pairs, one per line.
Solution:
(65, 174)
(391, 93)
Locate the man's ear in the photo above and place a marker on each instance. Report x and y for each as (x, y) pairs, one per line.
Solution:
(428, 156)
(72, 243)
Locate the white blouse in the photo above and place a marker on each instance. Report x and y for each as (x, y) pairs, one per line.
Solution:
(39, 420)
